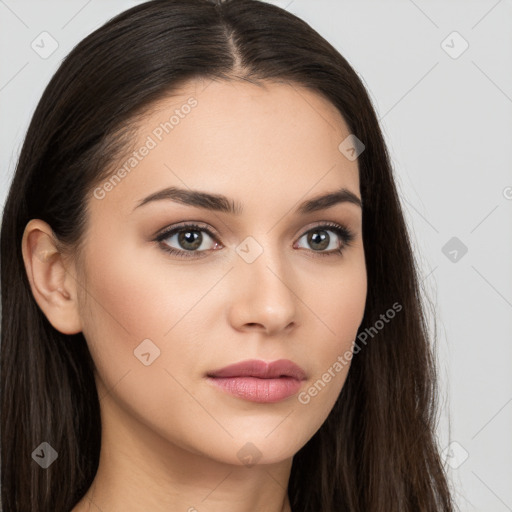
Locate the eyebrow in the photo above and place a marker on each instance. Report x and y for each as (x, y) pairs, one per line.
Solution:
(220, 203)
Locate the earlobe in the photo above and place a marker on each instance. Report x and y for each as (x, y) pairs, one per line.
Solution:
(52, 283)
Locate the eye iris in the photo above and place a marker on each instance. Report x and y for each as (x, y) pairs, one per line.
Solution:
(190, 240)
(319, 238)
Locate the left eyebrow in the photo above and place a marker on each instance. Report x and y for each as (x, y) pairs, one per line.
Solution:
(222, 203)
(328, 200)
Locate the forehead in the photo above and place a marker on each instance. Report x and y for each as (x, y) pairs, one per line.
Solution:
(235, 138)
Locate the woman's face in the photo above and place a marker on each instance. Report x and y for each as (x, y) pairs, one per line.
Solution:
(267, 281)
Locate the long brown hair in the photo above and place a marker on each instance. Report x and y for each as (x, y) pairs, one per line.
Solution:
(376, 451)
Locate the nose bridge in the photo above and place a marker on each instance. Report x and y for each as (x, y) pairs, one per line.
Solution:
(265, 294)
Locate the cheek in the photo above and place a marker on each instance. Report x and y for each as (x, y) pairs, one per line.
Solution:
(339, 306)
(130, 300)
(337, 298)
(138, 293)
(348, 305)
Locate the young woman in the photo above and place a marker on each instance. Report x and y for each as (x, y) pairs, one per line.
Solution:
(209, 297)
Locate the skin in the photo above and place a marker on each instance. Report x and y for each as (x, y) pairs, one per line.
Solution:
(169, 438)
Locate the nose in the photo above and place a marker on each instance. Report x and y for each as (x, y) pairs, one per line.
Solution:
(262, 297)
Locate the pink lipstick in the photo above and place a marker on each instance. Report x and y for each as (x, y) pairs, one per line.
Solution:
(259, 381)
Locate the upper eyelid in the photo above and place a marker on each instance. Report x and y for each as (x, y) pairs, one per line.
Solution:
(202, 225)
(166, 232)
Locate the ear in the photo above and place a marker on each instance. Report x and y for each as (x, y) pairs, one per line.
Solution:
(52, 284)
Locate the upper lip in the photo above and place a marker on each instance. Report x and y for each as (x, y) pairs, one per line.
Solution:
(261, 369)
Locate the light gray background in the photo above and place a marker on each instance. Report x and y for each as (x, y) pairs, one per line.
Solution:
(448, 125)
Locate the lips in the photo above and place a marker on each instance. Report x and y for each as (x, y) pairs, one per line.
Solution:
(259, 381)
(262, 370)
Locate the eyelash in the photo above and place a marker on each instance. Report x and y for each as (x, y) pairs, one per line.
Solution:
(345, 234)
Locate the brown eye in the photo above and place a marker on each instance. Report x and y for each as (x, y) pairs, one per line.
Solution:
(329, 239)
(188, 240)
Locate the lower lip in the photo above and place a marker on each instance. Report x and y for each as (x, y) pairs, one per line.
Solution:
(258, 390)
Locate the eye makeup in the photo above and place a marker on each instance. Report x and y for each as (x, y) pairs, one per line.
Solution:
(344, 234)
